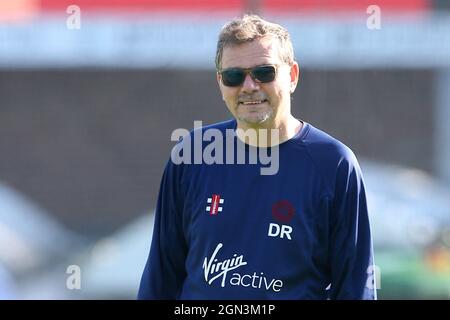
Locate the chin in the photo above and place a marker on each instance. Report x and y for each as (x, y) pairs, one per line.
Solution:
(255, 120)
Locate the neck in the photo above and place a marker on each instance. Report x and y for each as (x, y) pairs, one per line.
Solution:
(268, 135)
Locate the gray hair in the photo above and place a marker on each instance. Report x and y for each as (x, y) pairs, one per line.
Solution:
(250, 27)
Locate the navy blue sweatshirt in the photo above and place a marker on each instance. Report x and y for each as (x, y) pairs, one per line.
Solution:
(225, 231)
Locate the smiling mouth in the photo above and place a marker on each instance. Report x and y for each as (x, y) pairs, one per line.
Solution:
(252, 103)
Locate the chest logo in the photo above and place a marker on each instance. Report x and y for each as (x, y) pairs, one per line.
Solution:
(214, 204)
(283, 211)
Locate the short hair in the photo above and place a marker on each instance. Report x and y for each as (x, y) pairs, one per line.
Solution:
(250, 27)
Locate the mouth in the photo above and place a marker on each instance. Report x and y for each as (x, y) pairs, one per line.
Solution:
(252, 102)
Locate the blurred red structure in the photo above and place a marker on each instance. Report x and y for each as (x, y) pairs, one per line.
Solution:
(287, 6)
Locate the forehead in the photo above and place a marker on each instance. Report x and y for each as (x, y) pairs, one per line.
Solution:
(250, 54)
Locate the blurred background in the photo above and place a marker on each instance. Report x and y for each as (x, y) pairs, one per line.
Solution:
(90, 92)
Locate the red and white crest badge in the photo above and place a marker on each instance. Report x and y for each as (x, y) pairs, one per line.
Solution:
(214, 204)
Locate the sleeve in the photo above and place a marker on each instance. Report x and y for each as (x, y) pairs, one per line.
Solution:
(164, 271)
(351, 250)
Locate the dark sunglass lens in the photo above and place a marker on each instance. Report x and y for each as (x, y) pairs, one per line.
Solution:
(264, 73)
(233, 77)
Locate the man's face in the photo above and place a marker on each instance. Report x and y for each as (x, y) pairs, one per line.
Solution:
(256, 104)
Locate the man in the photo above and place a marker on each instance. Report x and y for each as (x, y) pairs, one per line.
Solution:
(227, 231)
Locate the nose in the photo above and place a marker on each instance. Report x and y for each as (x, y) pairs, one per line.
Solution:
(249, 84)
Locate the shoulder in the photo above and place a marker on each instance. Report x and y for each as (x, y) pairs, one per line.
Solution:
(324, 147)
(331, 156)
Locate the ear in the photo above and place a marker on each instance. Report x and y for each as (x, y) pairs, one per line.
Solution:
(219, 82)
(218, 77)
(295, 75)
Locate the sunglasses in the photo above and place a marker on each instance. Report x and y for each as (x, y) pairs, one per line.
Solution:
(234, 77)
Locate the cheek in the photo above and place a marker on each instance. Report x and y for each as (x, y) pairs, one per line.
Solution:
(275, 92)
(282, 90)
(229, 95)
(283, 85)
(229, 101)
